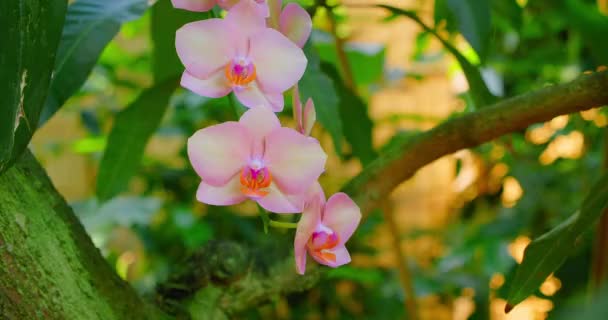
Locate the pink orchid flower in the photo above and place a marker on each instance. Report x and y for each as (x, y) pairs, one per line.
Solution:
(324, 228)
(206, 5)
(255, 158)
(305, 117)
(241, 55)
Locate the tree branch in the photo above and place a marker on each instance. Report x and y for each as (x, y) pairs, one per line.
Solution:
(410, 154)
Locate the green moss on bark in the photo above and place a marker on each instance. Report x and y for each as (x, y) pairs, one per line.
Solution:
(49, 268)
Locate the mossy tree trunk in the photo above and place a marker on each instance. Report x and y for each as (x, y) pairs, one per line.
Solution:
(49, 268)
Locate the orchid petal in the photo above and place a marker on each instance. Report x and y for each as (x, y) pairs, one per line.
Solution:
(204, 46)
(278, 202)
(295, 23)
(225, 195)
(194, 5)
(310, 219)
(245, 17)
(260, 122)
(342, 215)
(341, 254)
(216, 86)
(296, 161)
(279, 62)
(218, 152)
(251, 96)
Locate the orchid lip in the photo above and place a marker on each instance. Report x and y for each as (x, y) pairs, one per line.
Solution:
(240, 72)
(321, 243)
(255, 179)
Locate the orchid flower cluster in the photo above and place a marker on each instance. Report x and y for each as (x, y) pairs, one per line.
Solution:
(255, 52)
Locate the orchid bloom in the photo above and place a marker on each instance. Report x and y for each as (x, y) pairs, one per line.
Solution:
(306, 117)
(324, 228)
(206, 5)
(255, 158)
(239, 54)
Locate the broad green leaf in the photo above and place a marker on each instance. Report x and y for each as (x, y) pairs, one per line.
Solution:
(473, 19)
(441, 13)
(479, 91)
(29, 35)
(165, 20)
(546, 253)
(357, 126)
(126, 143)
(317, 85)
(89, 26)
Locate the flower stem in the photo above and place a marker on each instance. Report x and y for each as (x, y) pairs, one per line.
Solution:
(284, 225)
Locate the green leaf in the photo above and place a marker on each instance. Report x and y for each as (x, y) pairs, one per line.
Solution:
(479, 91)
(165, 20)
(317, 85)
(29, 33)
(546, 253)
(357, 126)
(442, 12)
(473, 19)
(132, 128)
(89, 26)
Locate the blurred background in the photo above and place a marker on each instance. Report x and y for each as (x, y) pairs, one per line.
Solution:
(461, 222)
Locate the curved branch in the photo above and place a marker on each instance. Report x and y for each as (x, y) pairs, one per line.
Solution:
(410, 154)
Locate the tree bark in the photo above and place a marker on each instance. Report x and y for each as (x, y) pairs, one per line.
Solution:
(49, 268)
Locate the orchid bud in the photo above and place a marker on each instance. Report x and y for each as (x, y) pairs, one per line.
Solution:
(309, 118)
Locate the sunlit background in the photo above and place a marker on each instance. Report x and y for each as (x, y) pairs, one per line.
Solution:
(463, 221)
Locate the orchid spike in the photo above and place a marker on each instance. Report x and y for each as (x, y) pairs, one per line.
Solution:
(324, 228)
(239, 54)
(255, 158)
